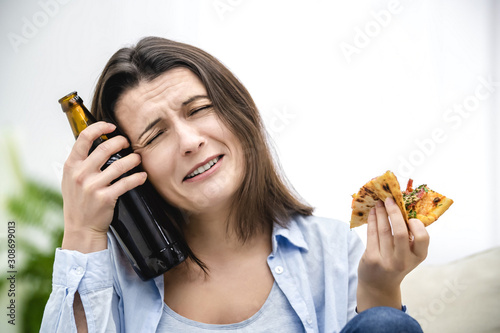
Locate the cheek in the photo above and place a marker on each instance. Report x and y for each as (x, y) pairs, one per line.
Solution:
(241, 166)
(160, 171)
(157, 165)
(237, 150)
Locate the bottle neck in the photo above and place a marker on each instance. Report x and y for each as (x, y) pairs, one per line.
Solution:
(78, 116)
(79, 119)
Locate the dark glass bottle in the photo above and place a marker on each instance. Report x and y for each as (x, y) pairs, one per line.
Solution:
(143, 221)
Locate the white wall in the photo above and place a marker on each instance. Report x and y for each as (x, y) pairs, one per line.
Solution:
(336, 120)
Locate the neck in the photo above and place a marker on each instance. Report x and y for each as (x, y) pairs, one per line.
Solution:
(213, 237)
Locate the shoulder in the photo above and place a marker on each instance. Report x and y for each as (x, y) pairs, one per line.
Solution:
(139, 302)
(319, 223)
(323, 229)
(321, 247)
(124, 275)
(121, 264)
(318, 236)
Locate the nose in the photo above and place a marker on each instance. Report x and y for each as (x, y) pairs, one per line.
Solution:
(190, 140)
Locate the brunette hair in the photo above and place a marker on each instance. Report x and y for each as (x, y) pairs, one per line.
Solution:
(263, 198)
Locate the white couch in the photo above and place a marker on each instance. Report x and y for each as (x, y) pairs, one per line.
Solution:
(461, 296)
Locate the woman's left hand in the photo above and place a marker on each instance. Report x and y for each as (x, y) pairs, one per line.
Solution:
(390, 254)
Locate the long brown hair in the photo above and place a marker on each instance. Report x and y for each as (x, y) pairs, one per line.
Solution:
(264, 197)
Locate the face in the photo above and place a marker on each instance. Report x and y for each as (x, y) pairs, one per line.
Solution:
(192, 158)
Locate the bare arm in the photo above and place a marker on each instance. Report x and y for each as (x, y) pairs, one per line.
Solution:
(81, 321)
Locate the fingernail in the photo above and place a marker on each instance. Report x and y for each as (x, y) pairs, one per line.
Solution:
(389, 201)
(379, 203)
(372, 211)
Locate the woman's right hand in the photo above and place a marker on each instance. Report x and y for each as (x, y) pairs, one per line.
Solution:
(88, 197)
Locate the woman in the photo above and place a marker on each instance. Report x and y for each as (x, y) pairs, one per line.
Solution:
(261, 262)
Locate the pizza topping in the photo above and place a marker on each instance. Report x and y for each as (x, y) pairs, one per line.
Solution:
(409, 186)
(423, 187)
(411, 198)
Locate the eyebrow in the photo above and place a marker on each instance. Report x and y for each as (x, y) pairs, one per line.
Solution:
(194, 98)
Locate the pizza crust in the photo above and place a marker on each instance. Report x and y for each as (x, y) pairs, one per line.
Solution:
(361, 205)
(379, 188)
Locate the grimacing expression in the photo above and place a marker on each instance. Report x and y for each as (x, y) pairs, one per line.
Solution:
(195, 162)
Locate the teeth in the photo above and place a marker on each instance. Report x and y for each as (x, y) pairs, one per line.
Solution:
(203, 168)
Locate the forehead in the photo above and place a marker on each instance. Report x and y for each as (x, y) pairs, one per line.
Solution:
(168, 91)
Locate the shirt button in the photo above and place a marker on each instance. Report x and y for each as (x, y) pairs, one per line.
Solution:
(309, 320)
(278, 269)
(79, 270)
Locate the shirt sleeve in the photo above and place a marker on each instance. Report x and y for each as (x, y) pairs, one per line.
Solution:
(356, 249)
(91, 275)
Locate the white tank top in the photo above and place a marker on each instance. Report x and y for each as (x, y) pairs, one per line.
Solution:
(276, 315)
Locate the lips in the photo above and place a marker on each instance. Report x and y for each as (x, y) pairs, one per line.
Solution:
(202, 167)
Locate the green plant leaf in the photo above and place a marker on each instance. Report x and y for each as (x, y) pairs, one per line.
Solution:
(38, 206)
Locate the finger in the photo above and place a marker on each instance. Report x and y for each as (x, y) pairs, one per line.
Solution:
(126, 184)
(372, 244)
(399, 228)
(118, 168)
(84, 141)
(384, 230)
(421, 239)
(105, 150)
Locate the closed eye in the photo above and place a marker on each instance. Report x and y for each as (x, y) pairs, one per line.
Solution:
(200, 109)
(160, 132)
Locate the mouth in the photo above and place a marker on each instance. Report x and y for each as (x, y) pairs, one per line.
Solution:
(200, 170)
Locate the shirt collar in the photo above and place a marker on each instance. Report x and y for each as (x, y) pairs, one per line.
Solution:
(291, 233)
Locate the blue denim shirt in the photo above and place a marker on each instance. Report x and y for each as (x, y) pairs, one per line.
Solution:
(314, 261)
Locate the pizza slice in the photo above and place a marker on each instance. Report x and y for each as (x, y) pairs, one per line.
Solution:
(421, 203)
(425, 204)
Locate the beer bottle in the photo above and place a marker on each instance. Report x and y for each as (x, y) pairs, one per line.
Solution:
(143, 223)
